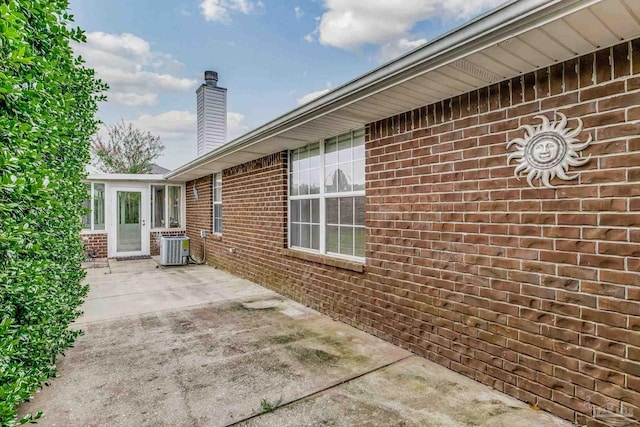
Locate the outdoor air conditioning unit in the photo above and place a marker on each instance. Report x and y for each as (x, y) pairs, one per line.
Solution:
(174, 250)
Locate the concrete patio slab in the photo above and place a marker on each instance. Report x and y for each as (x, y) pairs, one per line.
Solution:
(195, 346)
(129, 288)
(413, 392)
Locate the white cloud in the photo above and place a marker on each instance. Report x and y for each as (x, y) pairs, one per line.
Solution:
(298, 11)
(309, 37)
(311, 96)
(133, 99)
(396, 48)
(349, 24)
(221, 10)
(236, 126)
(172, 124)
(136, 74)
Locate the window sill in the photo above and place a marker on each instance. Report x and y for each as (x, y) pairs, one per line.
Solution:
(215, 236)
(164, 230)
(345, 264)
(93, 232)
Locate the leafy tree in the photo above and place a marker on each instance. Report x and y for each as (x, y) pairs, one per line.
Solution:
(48, 101)
(129, 150)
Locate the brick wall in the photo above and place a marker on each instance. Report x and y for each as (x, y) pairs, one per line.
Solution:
(199, 212)
(535, 292)
(95, 242)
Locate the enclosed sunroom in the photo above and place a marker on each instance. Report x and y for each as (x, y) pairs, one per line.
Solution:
(127, 214)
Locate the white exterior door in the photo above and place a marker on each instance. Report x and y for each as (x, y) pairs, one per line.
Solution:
(129, 230)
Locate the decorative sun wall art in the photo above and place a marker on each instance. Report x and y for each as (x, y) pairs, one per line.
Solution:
(547, 150)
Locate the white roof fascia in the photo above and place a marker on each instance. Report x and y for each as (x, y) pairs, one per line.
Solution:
(125, 177)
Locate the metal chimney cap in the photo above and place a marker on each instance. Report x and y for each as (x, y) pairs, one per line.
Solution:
(210, 77)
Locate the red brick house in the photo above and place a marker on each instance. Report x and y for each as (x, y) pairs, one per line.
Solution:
(390, 204)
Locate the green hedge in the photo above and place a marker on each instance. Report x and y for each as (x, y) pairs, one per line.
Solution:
(48, 102)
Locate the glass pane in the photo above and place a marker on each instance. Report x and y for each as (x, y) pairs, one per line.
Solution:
(344, 177)
(303, 159)
(314, 156)
(86, 204)
(217, 218)
(303, 183)
(332, 211)
(305, 210)
(359, 210)
(295, 234)
(358, 175)
(295, 163)
(346, 240)
(98, 206)
(331, 179)
(294, 179)
(157, 206)
(174, 206)
(305, 235)
(331, 151)
(346, 210)
(358, 135)
(344, 148)
(295, 211)
(332, 239)
(129, 236)
(358, 145)
(359, 242)
(315, 237)
(314, 181)
(315, 211)
(217, 187)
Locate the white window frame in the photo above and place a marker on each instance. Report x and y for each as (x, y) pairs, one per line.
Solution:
(166, 206)
(91, 228)
(215, 202)
(322, 196)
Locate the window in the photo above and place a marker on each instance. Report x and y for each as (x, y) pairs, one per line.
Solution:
(173, 203)
(166, 206)
(217, 203)
(157, 206)
(94, 219)
(86, 204)
(326, 196)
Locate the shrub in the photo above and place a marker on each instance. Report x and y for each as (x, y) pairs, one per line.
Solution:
(48, 102)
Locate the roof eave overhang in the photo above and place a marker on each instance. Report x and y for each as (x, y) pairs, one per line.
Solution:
(499, 25)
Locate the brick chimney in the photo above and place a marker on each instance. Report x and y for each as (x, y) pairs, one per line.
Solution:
(212, 114)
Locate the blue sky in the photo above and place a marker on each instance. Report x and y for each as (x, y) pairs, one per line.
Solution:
(270, 55)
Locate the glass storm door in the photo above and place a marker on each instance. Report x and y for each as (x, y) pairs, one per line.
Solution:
(129, 222)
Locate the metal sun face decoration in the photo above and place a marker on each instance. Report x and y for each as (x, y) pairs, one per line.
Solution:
(547, 150)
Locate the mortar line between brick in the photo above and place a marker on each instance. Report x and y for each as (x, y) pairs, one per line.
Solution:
(318, 392)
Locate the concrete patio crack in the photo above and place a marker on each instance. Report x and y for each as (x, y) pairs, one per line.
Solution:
(318, 392)
(184, 395)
